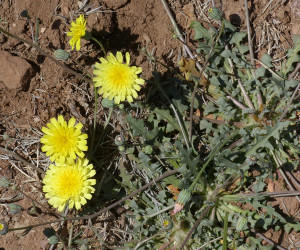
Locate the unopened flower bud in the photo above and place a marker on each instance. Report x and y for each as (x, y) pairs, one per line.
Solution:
(242, 221)
(183, 197)
(4, 182)
(14, 208)
(121, 148)
(138, 217)
(53, 240)
(215, 13)
(60, 54)
(119, 140)
(3, 227)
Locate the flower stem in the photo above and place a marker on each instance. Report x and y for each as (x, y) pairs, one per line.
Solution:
(100, 44)
(103, 131)
(91, 216)
(95, 118)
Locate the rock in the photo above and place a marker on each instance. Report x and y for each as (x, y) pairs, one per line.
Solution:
(15, 72)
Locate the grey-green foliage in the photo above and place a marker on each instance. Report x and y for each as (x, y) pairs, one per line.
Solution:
(292, 55)
(159, 143)
(257, 145)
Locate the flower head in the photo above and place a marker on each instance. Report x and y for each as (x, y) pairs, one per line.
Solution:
(77, 31)
(63, 141)
(117, 80)
(70, 183)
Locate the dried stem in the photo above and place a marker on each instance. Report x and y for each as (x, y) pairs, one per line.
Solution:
(40, 204)
(291, 76)
(88, 217)
(259, 97)
(19, 158)
(177, 31)
(279, 165)
(267, 239)
(289, 103)
(247, 98)
(195, 90)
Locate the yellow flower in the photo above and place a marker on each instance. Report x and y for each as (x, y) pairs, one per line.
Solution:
(63, 141)
(117, 80)
(77, 31)
(69, 183)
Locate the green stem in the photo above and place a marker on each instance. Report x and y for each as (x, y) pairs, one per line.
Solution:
(179, 118)
(88, 217)
(225, 230)
(100, 44)
(103, 131)
(95, 118)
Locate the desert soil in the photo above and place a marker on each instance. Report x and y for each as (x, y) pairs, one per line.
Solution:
(34, 89)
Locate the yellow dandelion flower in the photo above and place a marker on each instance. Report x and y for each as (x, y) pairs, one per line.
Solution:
(117, 80)
(63, 141)
(70, 183)
(77, 31)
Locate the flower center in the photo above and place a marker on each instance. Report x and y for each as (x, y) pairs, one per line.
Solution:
(64, 140)
(69, 183)
(119, 75)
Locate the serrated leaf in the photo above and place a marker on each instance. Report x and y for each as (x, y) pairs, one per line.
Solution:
(163, 114)
(259, 186)
(292, 226)
(243, 48)
(273, 133)
(267, 60)
(237, 38)
(209, 108)
(186, 157)
(227, 53)
(200, 31)
(270, 210)
(179, 105)
(259, 72)
(138, 126)
(229, 26)
(292, 55)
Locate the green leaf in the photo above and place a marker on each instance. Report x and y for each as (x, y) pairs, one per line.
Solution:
(292, 55)
(138, 126)
(244, 48)
(270, 210)
(267, 60)
(179, 105)
(289, 226)
(163, 114)
(260, 72)
(273, 133)
(259, 186)
(210, 108)
(226, 53)
(200, 31)
(237, 38)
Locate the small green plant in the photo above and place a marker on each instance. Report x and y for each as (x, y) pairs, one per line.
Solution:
(185, 178)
